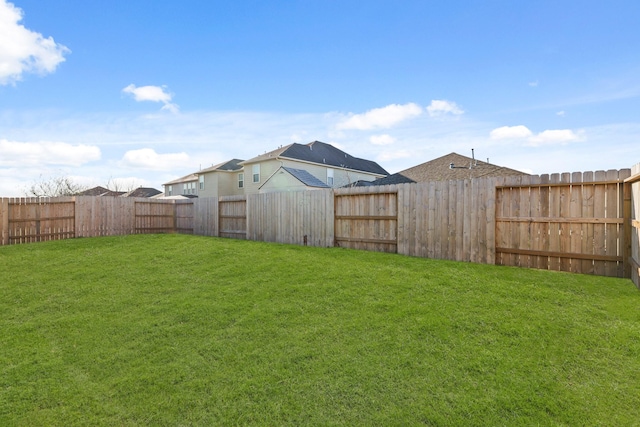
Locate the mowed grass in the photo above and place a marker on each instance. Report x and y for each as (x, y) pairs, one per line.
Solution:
(182, 330)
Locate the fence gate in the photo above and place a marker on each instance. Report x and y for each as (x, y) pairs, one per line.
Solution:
(367, 221)
(566, 222)
(232, 217)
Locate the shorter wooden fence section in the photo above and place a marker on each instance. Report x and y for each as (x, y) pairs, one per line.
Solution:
(581, 222)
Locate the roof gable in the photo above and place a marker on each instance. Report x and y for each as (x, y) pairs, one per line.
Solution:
(305, 177)
(464, 167)
(323, 154)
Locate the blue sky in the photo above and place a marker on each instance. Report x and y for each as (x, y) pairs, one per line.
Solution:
(141, 92)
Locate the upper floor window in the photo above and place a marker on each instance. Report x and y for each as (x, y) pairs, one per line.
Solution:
(189, 188)
(170, 190)
(240, 180)
(330, 177)
(256, 173)
(201, 179)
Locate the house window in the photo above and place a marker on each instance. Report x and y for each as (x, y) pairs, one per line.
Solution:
(330, 177)
(201, 179)
(170, 190)
(189, 188)
(240, 180)
(256, 173)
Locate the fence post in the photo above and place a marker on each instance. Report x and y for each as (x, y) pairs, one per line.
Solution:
(4, 221)
(626, 241)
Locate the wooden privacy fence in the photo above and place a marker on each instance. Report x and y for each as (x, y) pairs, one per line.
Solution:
(580, 222)
(568, 222)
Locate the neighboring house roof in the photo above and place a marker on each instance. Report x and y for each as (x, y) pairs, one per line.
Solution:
(142, 192)
(440, 170)
(230, 165)
(100, 192)
(177, 197)
(321, 153)
(186, 178)
(305, 177)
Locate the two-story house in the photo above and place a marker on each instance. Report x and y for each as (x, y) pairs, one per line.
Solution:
(185, 186)
(306, 166)
(290, 168)
(224, 179)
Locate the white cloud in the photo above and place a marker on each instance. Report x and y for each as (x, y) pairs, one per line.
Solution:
(14, 153)
(381, 118)
(440, 107)
(559, 136)
(510, 132)
(147, 158)
(153, 94)
(534, 83)
(23, 50)
(382, 139)
(560, 113)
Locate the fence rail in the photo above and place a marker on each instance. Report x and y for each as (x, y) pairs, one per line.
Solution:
(581, 222)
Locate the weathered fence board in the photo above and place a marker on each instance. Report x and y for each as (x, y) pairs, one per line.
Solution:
(205, 216)
(232, 217)
(302, 218)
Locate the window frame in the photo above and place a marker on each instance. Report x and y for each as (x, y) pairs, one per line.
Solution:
(330, 177)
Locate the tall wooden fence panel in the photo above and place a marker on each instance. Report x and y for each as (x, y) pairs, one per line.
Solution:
(205, 216)
(633, 185)
(367, 218)
(105, 216)
(184, 212)
(301, 217)
(448, 220)
(232, 217)
(568, 222)
(31, 219)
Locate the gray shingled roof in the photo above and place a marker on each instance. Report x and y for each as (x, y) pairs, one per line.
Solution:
(186, 178)
(324, 154)
(100, 191)
(229, 165)
(305, 177)
(143, 192)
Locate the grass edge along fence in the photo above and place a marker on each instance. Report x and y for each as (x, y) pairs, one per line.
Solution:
(577, 222)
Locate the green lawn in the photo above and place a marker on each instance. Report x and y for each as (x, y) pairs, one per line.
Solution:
(182, 330)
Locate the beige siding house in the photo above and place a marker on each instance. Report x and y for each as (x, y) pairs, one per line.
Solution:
(184, 186)
(326, 164)
(291, 179)
(224, 179)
